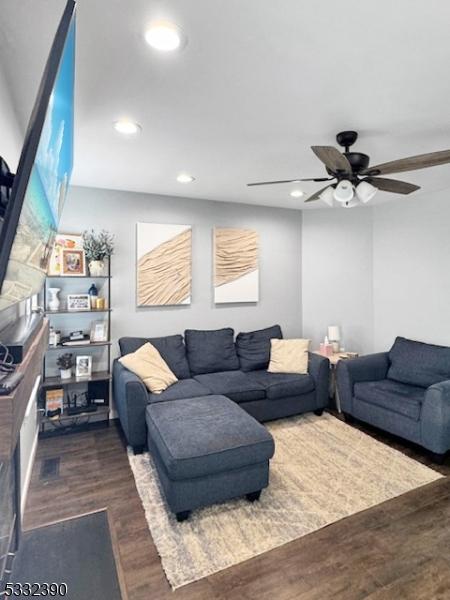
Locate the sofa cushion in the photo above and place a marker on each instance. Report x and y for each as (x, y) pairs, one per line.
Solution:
(236, 385)
(211, 351)
(171, 348)
(148, 364)
(397, 397)
(203, 436)
(417, 363)
(185, 388)
(253, 347)
(280, 385)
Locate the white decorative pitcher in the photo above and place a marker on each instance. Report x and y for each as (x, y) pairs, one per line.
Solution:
(53, 302)
(96, 268)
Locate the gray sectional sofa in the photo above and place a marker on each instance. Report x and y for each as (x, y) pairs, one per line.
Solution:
(405, 391)
(214, 363)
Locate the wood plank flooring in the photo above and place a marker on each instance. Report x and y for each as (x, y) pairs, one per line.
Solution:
(398, 550)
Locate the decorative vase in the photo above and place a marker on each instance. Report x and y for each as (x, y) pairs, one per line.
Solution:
(65, 373)
(53, 302)
(96, 268)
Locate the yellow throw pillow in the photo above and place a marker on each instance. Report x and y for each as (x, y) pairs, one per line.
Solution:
(288, 356)
(148, 364)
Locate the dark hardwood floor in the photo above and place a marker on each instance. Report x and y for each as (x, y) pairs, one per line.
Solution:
(397, 550)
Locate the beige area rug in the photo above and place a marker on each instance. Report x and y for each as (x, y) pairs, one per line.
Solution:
(323, 470)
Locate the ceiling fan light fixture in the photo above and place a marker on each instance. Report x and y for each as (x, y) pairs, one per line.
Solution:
(365, 191)
(344, 191)
(297, 193)
(327, 196)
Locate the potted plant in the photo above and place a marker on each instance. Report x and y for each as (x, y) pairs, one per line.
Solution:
(97, 247)
(65, 364)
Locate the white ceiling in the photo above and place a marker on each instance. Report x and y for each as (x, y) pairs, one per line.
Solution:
(257, 84)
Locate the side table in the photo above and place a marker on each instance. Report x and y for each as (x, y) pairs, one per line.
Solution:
(334, 359)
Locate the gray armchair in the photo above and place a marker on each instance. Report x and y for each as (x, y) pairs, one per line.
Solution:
(405, 391)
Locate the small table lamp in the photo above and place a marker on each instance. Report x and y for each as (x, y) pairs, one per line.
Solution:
(334, 335)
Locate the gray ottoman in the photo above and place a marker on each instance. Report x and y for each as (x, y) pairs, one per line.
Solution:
(207, 450)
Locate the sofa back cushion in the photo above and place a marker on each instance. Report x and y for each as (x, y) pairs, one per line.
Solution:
(253, 347)
(417, 363)
(211, 351)
(171, 348)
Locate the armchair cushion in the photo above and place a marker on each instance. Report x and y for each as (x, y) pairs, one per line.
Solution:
(211, 351)
(398, 397)
(253, 347)
(417, 363)
(171, 348)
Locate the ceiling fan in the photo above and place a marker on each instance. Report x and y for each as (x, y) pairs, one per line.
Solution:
(354, 181)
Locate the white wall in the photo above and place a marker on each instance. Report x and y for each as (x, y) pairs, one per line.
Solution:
(337, 276)
(280, 263)
(411, 270)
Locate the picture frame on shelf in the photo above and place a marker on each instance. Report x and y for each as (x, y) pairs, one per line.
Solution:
(83, 367)
(73, 263)
(68, 241)
(76, 302)
(54, 402)
(99, 331)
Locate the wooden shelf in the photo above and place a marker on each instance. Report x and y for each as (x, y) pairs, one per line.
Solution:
(58, 382)
(86, 345)
(79, 277)
(101, 411)
(65, 311)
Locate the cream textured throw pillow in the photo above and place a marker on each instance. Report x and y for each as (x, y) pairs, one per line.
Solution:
(288, 356)
(148, 364)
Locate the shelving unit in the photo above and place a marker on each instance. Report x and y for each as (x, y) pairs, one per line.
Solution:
(98, 385)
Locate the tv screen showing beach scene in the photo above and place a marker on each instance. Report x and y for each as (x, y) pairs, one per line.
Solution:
(46, 188)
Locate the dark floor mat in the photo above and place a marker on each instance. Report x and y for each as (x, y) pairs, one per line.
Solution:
(77, 552)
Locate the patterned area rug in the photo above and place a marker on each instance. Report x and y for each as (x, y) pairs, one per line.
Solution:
(323, 470)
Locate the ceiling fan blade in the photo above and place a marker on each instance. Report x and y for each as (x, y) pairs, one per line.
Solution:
(316, 195)
(332, 158)
(392, 185)
(412, 163)
(290, 181)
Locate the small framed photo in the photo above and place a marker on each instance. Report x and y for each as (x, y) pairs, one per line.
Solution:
(78, 302)
(69, 241)
(73, 262)
(83, 366)
(99, 331)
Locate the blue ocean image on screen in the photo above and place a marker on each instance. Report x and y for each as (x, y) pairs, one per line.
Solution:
(46, 190)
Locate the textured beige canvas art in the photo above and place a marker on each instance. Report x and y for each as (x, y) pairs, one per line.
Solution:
(236, 269)
(164, 264)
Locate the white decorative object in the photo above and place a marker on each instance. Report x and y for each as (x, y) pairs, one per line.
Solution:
(78, 302)
(96, 268)
(236, 265)
(163, 264)
(53, 302)
(334, 335)
(65, 373)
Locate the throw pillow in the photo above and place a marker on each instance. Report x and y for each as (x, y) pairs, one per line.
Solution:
(289, 356)
(148, 364)
(253, 347)
(211, 351)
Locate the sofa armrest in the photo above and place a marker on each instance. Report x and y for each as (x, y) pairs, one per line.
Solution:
(319, 369)
(372, 367)
(435, 418)
(130, 399)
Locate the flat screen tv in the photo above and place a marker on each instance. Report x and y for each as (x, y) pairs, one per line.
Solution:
(40, 185)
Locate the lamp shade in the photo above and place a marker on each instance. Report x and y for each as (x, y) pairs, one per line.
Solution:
(344, 191)
(365, 191)
(328, 196)
(334, 333)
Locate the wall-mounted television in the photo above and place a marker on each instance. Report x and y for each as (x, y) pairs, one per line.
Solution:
(32, 215)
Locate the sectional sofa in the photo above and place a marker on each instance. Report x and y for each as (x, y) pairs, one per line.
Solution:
(210, 363)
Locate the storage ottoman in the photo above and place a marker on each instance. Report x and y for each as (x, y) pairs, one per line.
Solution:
(207, 450)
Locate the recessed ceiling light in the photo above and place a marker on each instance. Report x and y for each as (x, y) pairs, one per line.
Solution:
(127, 127)
(185, 178)
(164, 36)
(297, 193)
